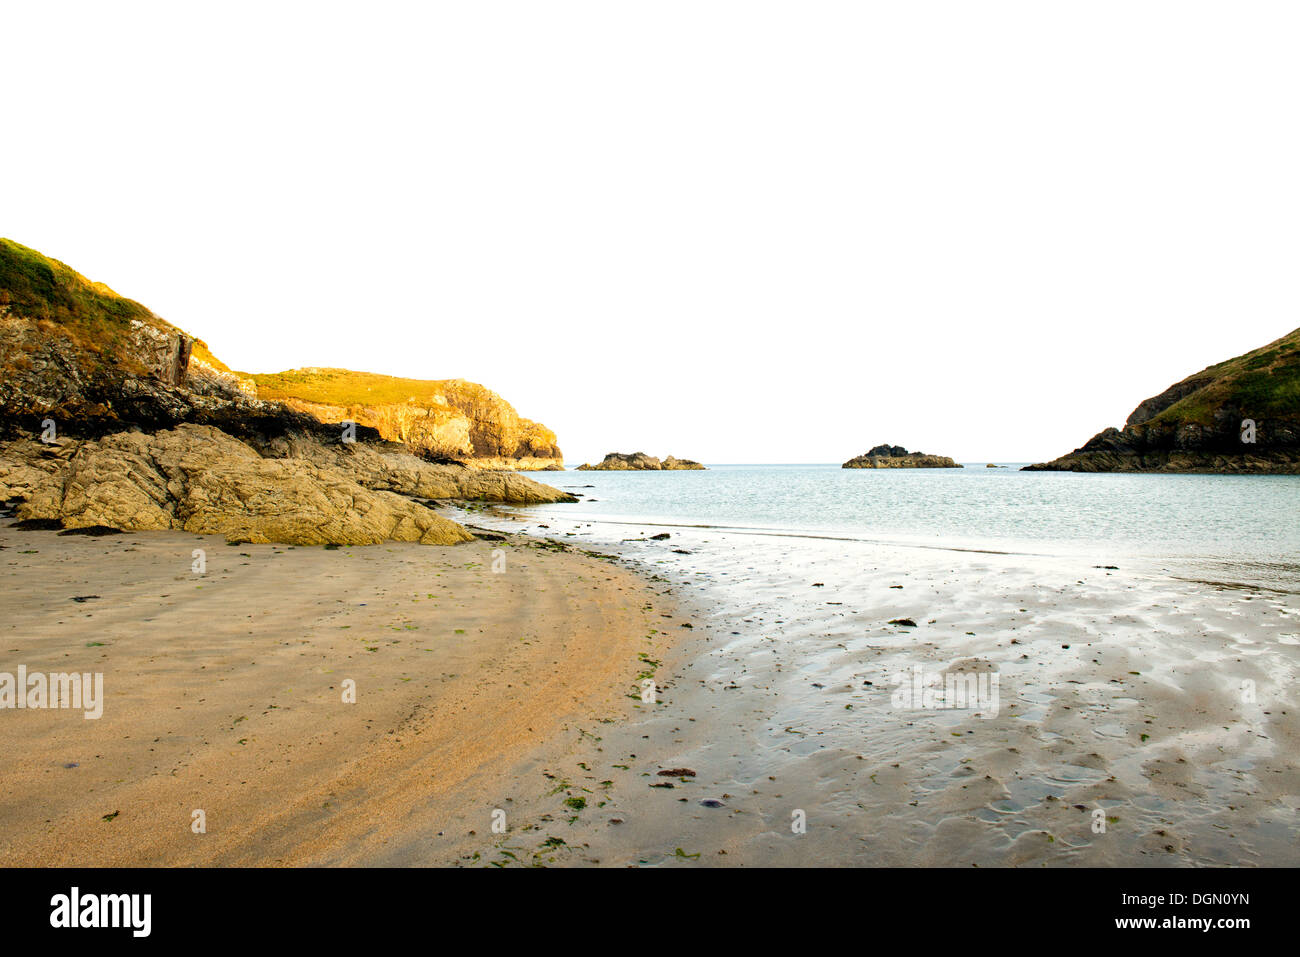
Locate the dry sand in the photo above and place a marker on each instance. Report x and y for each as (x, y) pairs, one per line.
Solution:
(224, 693)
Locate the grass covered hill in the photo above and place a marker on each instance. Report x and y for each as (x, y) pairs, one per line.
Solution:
(89, 315)
(1239, 415)
(1264, 383)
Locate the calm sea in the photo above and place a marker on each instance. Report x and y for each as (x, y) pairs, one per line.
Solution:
(1252, 521)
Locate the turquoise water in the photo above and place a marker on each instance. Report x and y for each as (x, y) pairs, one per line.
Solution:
(1234, 518)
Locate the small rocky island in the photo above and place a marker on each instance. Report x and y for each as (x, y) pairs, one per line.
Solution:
(896, 457)
(640, 462)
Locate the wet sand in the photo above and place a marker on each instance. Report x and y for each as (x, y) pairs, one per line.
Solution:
(224, 694)
(1147, 715)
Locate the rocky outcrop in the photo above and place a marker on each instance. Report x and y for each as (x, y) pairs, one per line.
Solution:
(1240, 416)
(640, 462)
(117, 418)
(448, 418)
(293, 489)
(47, 376)
(897, 457)
(198, 479)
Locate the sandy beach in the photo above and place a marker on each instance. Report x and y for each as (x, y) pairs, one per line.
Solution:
(223, 694)
(511, 699)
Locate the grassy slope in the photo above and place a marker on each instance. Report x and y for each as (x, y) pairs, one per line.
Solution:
(90, 313)
(38, 287)
(344, 387)
(1264, 382)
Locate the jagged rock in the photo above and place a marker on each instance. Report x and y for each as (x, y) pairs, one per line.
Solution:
(639, 462)
(896, 457)
(26, 463)
(1240, 416)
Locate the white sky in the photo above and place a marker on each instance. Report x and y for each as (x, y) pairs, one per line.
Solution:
(736, 232)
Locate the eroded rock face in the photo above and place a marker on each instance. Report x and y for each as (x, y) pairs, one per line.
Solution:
(639, 462)
(897, 457)
(50, 375)
(165, 354)
(200, 480)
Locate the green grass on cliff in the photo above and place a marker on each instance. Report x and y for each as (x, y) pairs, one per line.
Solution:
(38, 287)
(344, 387)
(1262, 383)
(90, 313)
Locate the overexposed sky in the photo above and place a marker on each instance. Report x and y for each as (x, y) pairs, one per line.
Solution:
(736, 232)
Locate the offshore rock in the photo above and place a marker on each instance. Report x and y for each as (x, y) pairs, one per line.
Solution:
(640, 462)
(896, 457)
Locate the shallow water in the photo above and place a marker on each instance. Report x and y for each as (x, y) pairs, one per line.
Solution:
(1248, 525)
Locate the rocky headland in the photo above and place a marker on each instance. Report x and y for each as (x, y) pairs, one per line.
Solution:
(896, 457)
(640, 462)
(110, 416)
(447, 418)
(1239, 416)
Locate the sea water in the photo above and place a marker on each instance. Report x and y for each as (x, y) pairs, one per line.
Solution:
(1248, 525)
